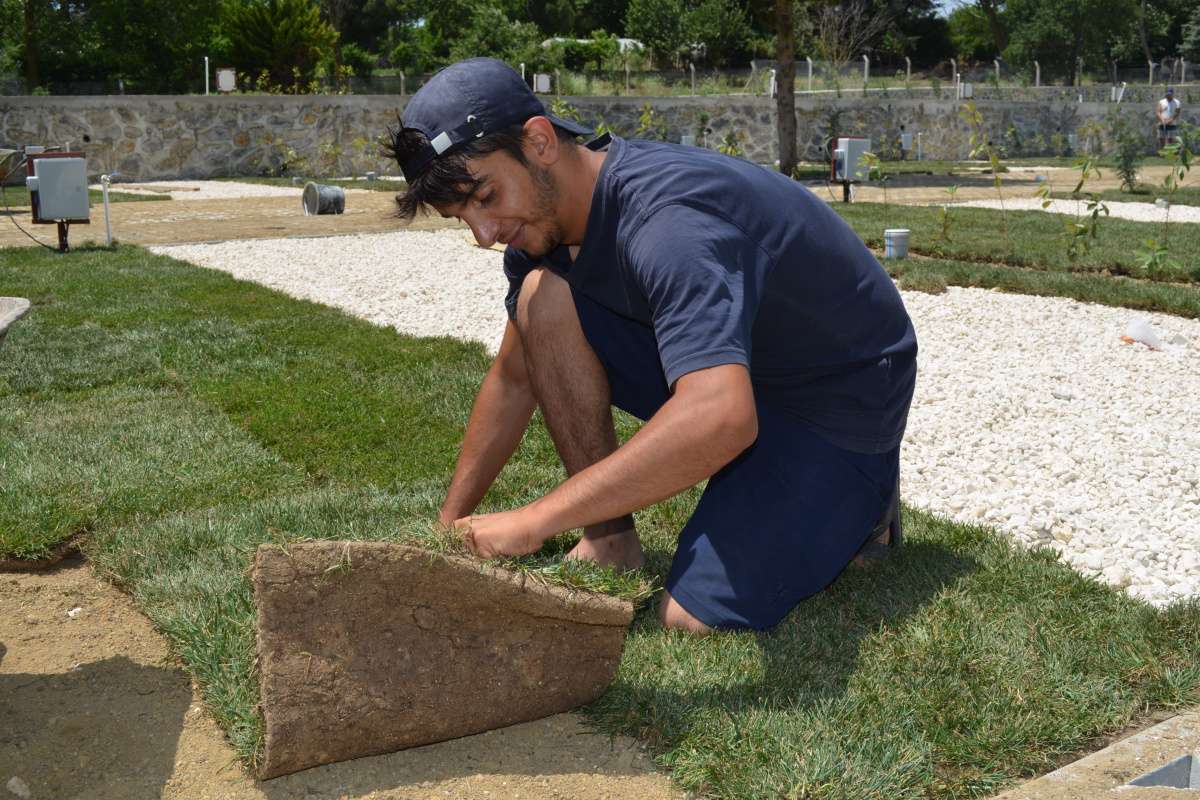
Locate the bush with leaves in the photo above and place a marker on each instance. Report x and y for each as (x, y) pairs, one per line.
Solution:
(1129, 152)
(286, 39)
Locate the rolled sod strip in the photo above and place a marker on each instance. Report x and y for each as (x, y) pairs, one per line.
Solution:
(371, 647)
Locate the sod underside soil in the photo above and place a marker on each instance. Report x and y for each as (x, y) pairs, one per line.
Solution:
(178, 418)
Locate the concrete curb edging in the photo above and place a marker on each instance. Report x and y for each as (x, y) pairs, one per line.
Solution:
(1104, 774)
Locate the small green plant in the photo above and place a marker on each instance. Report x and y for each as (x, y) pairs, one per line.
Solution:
(1059, 145)
(875, 172)
(1154, 259)
(1083, 229)
(731, 145)
(702, 129)
(981, 145)
(561, 108)
(936, 85)
(947, 216)
(651, 124)
(1129, 153)
(1179, 158)
(282, 158)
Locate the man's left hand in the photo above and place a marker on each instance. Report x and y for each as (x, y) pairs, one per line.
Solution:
(507, 533)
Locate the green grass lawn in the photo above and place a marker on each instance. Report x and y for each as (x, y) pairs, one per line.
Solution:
(180, 418)
(808, 170)
(383, 184)
(1036, 239)
(1147, 193)
(18, 197)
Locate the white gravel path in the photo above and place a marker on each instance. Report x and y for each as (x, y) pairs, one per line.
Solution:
(1141, 212)
(1031, 414)
(210, 190)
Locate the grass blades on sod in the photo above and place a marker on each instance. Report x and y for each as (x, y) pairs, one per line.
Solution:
(1037, 239)
(955, 668)
(98, 458)
(1169, 298)
(948, 671)
(1145, 193)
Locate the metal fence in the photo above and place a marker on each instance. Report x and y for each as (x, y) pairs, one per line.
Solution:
(755, 78)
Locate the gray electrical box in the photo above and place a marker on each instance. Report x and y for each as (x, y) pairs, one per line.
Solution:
(61, 184)
(847, 158)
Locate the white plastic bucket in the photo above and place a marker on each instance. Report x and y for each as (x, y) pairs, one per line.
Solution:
(895, 243)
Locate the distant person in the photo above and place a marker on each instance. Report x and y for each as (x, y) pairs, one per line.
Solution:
(1168, 118)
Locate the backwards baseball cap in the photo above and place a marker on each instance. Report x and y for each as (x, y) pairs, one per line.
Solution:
(1170, 90)
(468, 100)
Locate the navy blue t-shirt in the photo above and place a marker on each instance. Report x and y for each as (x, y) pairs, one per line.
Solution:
(730, 263)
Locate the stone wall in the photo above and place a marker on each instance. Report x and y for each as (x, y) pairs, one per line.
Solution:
(160, 137)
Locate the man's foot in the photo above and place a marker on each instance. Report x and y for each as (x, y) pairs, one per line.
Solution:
(621, 550)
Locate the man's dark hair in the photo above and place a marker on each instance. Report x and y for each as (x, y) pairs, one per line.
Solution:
(447, 180)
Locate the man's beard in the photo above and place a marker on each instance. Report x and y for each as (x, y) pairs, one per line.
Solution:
(546, 202)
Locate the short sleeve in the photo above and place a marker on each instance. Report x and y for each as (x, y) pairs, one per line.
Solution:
(516, 266)
(703, 279)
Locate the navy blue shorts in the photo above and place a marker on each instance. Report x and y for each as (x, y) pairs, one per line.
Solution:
(775, 525)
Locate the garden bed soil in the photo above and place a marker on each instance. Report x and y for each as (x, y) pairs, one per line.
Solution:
(178, 222)
(94, 706)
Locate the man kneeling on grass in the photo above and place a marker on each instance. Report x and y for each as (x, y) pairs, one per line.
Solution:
(724, 304)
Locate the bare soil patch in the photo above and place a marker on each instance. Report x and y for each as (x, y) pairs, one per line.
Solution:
(178, 222)
(93, 706)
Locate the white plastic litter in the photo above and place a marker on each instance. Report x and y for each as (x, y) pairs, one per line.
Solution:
(1140, 330)
(74, 612)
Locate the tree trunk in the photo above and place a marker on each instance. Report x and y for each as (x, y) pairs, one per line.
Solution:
(1142, 32)
(785, 84)
(999, 35)
(33, 71)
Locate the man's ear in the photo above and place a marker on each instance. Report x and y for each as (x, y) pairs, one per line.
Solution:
(541, 141)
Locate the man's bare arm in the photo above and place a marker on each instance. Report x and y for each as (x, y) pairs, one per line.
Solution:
(709, 420)
(501, 414)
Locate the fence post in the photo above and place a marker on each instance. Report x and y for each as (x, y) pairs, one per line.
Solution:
(692, 69)
(1150, 79)
(907, 69)
(866, 69)
(996, 61)
(627, 77)
(402, 88)
(206, 76)
(772, 87)
(809, 60)
(522, 70)
(954, 76)
(1037, 75)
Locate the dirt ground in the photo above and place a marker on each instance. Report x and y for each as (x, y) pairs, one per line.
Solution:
(183, 221)
(93, 708)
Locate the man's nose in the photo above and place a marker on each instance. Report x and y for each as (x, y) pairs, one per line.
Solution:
(485, 230)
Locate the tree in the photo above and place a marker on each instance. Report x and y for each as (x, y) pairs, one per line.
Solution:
(1190, 46)
(1058, 33)
(658, 24)
(785, 84)
(970, 34)
(721, 26)
(845, 31)
(287, 39)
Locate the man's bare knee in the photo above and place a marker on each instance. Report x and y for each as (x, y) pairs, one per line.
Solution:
(545, 303)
